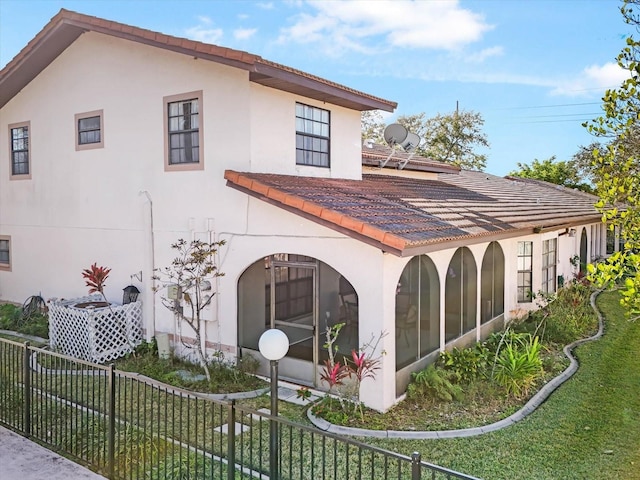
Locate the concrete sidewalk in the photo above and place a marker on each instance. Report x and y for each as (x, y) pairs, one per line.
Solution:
(22, 459)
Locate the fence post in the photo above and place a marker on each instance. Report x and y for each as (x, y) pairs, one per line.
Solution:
(231, 441)
(26, 380)
(111, 419)
(416, 471)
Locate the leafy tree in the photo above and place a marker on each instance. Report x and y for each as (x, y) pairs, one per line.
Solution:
(453, 138)
(617, 169)
(565, 173)
(373, 126)
(450, 138)
(192, 272)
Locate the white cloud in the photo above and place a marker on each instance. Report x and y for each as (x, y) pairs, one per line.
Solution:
(204, 34)
(482, 55)
(244, 33)
(593, 78)
(347, 25)
(265, 5)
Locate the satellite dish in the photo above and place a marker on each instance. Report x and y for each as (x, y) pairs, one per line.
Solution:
(411, 142)
(395, 134)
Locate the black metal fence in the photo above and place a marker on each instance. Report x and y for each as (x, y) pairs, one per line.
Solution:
(129, 428)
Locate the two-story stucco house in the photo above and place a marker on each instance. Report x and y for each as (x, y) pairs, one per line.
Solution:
(116, 141)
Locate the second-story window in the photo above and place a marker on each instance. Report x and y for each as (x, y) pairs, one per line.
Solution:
(20, 150)
(89, 130)
(312, 136)
(183, 120)
(184, 123)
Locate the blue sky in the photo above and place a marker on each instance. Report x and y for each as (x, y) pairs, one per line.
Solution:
(534, 69)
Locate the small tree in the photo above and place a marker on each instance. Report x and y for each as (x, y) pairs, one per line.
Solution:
(191, 272)
(617, 169)
(559, 172)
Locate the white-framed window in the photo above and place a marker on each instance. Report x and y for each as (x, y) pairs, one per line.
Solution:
(312, 136)
(525, 272)
(549, 261)
(183, 132)
(20, 150)
(5, 252)
(89, 130)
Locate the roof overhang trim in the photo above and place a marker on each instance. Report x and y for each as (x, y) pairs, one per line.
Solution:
(67, 26)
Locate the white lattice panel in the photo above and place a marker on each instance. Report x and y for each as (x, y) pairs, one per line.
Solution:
(94, 334)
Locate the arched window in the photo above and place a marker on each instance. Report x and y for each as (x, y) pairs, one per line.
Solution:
(460, 294)
(301, 296)
(492, 283)
(417, 311)
(583, 251)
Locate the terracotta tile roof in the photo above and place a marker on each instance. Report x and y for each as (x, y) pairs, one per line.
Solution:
(65, 27)
(408, 216)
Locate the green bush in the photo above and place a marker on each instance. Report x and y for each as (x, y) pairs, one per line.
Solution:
(466, 364)
(518, 364)
(566, 317)
(436, 383)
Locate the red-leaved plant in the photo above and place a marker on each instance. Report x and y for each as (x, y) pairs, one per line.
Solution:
(334, 374)
(362, 365)
(95, 277)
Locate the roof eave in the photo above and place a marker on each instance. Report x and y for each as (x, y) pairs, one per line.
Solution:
(273, 76)
(67, 26)
(319, 220)
(34, 58)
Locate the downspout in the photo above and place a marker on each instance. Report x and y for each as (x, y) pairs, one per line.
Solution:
(151, 258)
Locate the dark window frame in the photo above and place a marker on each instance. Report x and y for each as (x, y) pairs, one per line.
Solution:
(313, 146)
(83, 131)
(171, 135)
(5, 265)
(19, 147)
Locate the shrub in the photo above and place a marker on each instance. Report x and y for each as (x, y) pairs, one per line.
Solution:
(434, 382)
(518, 364)
(565, 316)
(466, 364)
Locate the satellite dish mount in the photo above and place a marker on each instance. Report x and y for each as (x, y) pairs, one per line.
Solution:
(398, 136)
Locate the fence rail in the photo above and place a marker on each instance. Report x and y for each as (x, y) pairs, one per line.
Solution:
(130, 428)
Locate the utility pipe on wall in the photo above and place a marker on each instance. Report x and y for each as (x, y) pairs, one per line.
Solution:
(151, 258)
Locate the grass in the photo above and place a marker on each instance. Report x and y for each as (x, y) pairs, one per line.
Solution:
(225, 377)
(11, 318)
(587, 429)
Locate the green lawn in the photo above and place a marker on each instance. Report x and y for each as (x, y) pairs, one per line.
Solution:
(588, 429)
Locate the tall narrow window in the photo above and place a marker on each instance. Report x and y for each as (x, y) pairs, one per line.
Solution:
(312, 136)
(5, 252)
(549, 257)
(183, 134)
(460, 295)
(19, 134)
(89, 130)
(525, 272)
(417, 311)
(492, 283)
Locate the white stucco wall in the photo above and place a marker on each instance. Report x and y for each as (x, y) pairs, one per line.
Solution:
(82, 207)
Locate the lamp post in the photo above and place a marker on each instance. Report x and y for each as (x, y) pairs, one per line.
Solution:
(273, 345)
